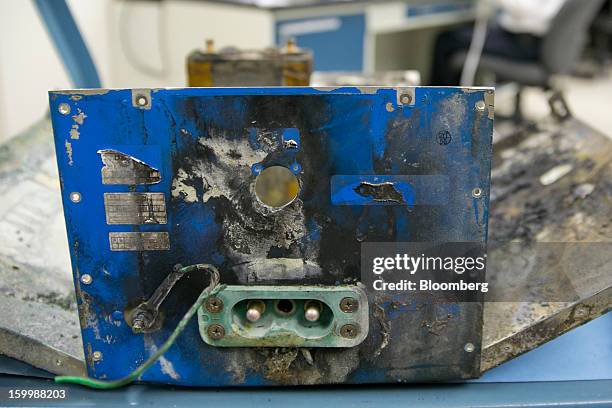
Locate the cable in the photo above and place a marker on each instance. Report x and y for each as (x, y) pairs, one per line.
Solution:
(212, 288)
(126, 45)
(479, 37)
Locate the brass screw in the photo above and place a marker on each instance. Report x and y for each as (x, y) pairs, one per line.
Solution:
(406, 99)
(214, 304)
(216, 331)
(350, 331)
(349, 305)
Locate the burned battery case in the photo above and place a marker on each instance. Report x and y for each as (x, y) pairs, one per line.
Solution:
(152, 178)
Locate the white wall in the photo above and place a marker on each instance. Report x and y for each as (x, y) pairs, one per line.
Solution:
(30, 66)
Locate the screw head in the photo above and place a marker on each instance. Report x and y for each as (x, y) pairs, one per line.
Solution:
(86, 279)
(215, 331)
(214, 304)
(96, 355)
(349, 331)
(469, 347)
(64, 108)
(477, 192)
(405, 99)
(75, 197)
(481, 106)
(141, 100)
(349, 305)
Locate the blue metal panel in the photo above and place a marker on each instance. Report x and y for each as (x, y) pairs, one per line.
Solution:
(200, 141)
(336, 41)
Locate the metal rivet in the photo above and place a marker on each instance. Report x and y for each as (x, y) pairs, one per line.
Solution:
(75, 197)
(349, 305)
(64, 108)
(216, 331)
(141, 100)
(477, 192)
(406, 99)
(214, 304)
(86, 279)
(481, 105)
(96, 355)
(469, 347)
(350, 331)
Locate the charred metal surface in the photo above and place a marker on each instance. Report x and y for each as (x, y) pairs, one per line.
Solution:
(144, 318)
(379, 192)
(552, 186)
(211, 146)
(545, 322)
(39, 281)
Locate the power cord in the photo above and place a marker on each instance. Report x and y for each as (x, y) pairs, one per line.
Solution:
(484, 11)
(212, 288)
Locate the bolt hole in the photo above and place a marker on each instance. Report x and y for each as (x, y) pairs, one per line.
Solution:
(141, 100)
(285, 306)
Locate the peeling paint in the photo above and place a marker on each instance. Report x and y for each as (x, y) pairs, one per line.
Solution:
(74, 132)
(168, 368)
(79, 118)
(385, 326)
(68, 146)
(379, 191)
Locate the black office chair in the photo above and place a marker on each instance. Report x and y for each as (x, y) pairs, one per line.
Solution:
(561, 50)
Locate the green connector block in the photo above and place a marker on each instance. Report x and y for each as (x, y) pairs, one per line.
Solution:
(342, 316)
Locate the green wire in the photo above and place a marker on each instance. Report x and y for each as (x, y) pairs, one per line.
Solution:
(211, 289)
